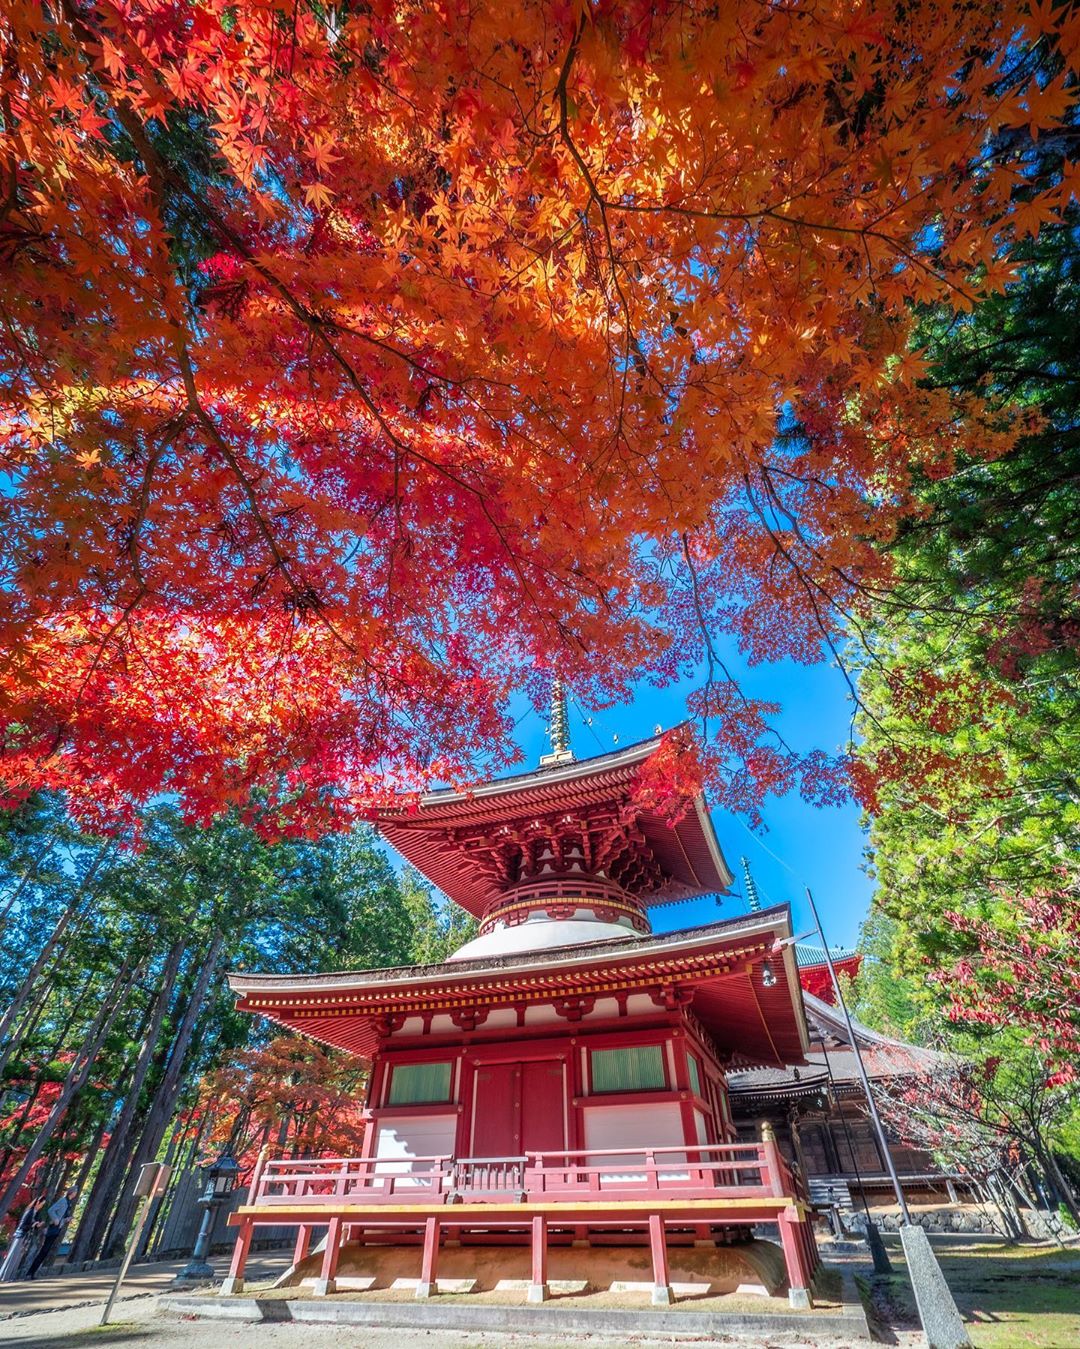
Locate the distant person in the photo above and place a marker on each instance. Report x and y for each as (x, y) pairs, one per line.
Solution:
(33, 1216)
(57, 1217)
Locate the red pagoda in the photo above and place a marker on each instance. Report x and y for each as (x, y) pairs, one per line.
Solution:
(560, 1084)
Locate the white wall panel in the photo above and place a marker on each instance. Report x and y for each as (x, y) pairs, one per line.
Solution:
(656, 1124)
(402, 1138)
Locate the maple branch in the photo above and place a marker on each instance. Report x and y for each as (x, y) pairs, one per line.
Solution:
(808, 585)
(173, 433)
(304, 593)
(714, 660)
(631, 342)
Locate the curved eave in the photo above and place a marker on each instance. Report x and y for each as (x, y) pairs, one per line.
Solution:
(721, 962)
(688, 852)
(556, 776)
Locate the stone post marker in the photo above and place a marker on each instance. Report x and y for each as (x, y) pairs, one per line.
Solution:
(937, 1311)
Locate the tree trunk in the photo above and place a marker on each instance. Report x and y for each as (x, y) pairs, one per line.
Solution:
(17, 1129)
(177, 1143)
(57, 1044)
(1053, 1181)
(176, 1138)
(1061, 1184)
(30, 980)
(76, 1079)
(35, 867)
(88, 1161)
(1010, 1226)
(110, 1174)
(161, 1108)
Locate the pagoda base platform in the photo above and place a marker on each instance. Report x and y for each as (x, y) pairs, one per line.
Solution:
(755, 1319)
(751, 1268)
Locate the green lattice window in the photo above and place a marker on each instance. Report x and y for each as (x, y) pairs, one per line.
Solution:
(695, 1074)
(419, 1083)
(637, 1068)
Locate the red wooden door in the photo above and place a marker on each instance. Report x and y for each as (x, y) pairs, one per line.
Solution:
(497, 1111)
(543, 1106)
(519, 1107)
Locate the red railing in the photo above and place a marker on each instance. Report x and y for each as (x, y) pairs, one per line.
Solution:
(728, 1170)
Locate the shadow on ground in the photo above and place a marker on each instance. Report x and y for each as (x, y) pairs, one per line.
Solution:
(1009, 1296)
(101, 1337)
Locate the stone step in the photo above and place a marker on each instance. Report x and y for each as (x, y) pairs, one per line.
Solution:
(836, 1192)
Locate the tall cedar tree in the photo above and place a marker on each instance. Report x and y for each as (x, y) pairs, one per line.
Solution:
(113, 983)
(973, 681)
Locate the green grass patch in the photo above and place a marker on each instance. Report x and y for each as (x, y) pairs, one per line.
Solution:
(1010, 1297)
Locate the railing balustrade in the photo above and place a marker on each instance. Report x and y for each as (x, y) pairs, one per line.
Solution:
(690, 1170)
(476, 1176)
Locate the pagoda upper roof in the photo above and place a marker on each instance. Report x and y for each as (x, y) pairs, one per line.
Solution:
(470, 842)
(720, 964)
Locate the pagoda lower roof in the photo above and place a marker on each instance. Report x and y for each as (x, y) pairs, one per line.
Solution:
(883, 1058)
(456, 838)
(719, 965)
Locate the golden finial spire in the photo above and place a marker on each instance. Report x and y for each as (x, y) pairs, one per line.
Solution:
(559, 727)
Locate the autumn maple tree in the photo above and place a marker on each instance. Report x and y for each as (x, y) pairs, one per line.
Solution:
(359, 363)
(290, 1096)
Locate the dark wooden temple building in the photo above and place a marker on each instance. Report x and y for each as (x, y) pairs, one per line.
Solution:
(817, 1109)
(818, 1112)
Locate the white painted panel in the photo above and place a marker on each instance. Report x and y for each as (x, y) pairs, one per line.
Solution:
(654, 1124)
(402, 1138)
(501, 1016)
(640, 1004)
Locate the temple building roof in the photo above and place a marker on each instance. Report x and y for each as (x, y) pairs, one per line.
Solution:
(831, 1052)
(810, 956)
(734, 975)
(579, 817)
(814, 971)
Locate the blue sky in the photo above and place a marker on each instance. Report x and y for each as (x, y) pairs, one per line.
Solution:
(822, 846)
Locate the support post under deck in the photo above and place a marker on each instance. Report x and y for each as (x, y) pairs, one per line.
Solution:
(661, 1293)
(428, 1263)
(327, 1282)
(234, 1283)
(795, 1259)
(303, 1244)
(538, 1287)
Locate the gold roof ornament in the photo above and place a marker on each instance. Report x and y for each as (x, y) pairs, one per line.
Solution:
(558, 727)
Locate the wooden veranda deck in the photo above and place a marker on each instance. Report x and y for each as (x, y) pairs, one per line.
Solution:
(533, 1196)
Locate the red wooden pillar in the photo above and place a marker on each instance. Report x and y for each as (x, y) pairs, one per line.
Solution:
(303, 1244)
(234, 1283)
(661, 1293)
(682, 1084)
(426, 1286)
(798, 1269)
(466, 1090)
(538, 1287)
(771, 1152)
(326, 1282)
